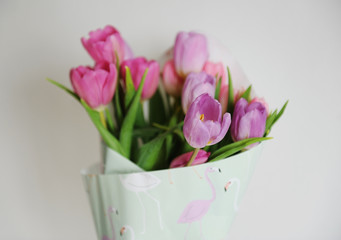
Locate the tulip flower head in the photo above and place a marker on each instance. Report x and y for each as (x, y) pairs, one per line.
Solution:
(95, 86)
(248, 120)
(195, 85)
(203, 124)
(171, 81)
(137, 67)
(104, 44)
(217, 69)
(190, 53)
(183, 159)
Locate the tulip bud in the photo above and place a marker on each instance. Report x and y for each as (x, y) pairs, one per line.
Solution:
(216, 70)
(104, 44)
(183, 159)
(95, 86)
(190, 53)
(137, 67)
(195, 85)
(262, 101)
(248, 120)
(203, 124)
(171, 82)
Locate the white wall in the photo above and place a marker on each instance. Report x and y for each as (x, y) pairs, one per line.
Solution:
(288, 49)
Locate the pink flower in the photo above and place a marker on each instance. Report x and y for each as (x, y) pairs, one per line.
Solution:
(195, 85)
(182, 160)
(104, 43)
(263, 102)
(95, 86)
(190, 53)
(137, 68)
(216, 69)
(248, 120)
(203, 124)
(171, 81)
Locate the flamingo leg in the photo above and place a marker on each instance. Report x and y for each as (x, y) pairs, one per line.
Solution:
(186, 234)
(158, 208)
(144, 213)
(201, 236)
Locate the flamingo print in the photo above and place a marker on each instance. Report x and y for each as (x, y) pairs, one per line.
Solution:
(141, 182)
(110, 211)
(228, 185)
(197, 209)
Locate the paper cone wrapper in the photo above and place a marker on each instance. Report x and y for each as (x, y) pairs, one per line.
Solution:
(197, 202)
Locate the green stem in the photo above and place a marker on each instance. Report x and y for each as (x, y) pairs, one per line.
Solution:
(194, 155)
(101, 114)
(109, 118)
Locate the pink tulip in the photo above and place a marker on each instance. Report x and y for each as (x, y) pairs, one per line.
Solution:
(182, 160)
(95, 86)
(195, 85)
(216, 69)
(137, 68)
(203, 124)
(171, 81)
(190, 53)
(104, 43)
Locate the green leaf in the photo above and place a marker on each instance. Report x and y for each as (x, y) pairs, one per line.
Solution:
(117, 107)
(246, 94)
(126, 132)
(149, 153)
(232, 148)
(157, 109)
(64, 88)
(269, 122)
(146, 132)
(108, 138)
(217, 89)
(281, 112)
(230, 103)
(109, 120)
(130, 89)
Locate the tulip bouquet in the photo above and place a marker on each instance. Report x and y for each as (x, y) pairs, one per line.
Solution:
(196, 117)
(199, 112)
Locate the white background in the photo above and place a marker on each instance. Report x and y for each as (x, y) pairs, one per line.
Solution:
(288, 50)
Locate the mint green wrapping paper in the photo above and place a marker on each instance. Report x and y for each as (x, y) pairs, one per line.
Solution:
(191, 203)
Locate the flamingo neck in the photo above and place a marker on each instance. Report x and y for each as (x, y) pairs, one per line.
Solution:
(212, 187)
(131, 231)
(235, 180)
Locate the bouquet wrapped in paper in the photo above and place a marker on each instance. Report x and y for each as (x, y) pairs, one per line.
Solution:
(181, 137)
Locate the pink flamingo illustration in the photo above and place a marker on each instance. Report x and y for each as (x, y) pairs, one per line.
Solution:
(228, 185)
(141, 182)
(197, 209)
(110, 211)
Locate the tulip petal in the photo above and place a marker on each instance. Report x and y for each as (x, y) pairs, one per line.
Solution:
(224, 128)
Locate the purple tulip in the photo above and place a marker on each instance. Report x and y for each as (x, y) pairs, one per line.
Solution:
(195, 85)
(190, 53)
(137, 67)
(203, 124)
(183, 159)
(248, 120)
(104, 43)
(95, 86)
